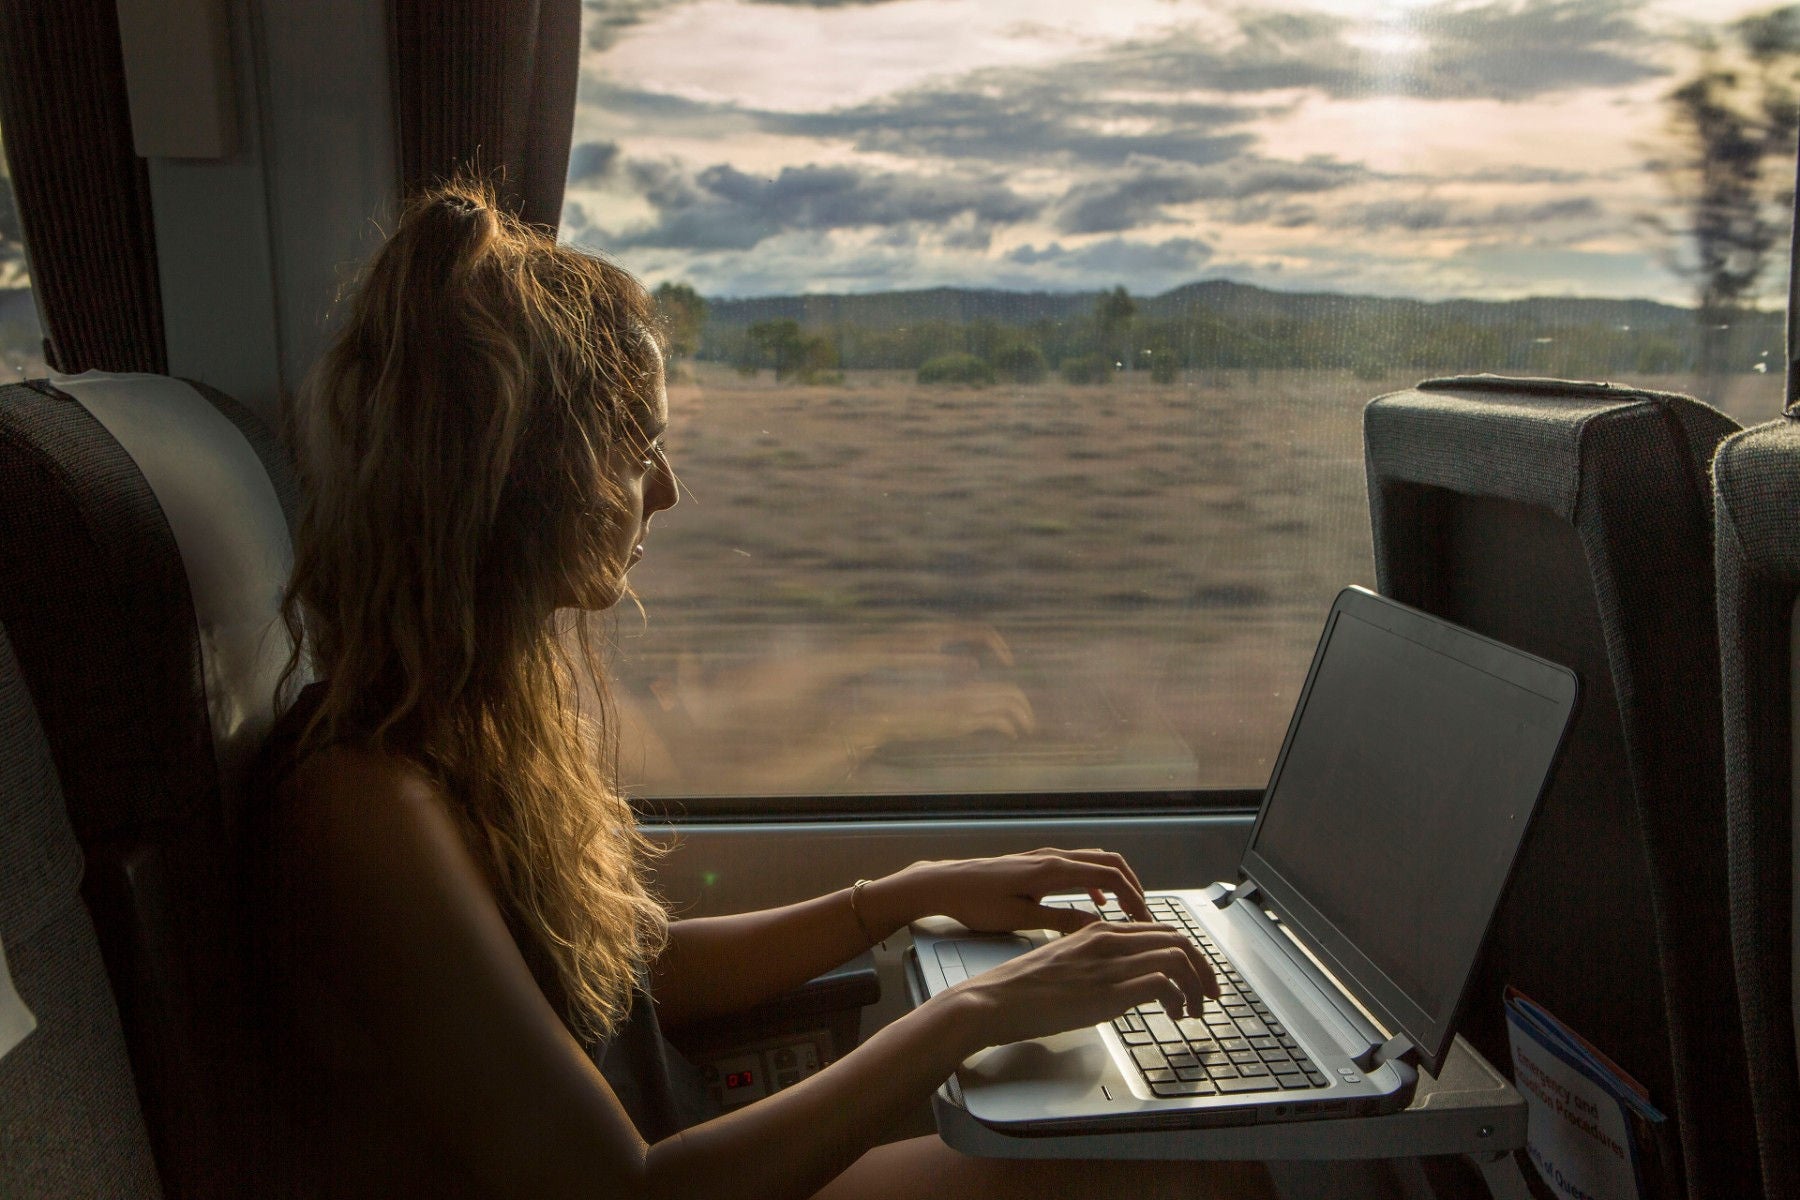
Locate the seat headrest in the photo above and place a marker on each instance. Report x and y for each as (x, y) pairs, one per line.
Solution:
(228, 521)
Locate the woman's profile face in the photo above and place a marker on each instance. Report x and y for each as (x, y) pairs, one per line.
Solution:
(643, 484)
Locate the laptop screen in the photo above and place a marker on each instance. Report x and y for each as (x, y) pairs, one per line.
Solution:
(1411, 769)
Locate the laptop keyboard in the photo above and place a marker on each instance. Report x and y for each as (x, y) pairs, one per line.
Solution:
(1234, 1046)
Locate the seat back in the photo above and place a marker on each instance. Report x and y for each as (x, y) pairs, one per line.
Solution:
(1756, 480)
(1574, 521)
(143, 548)
(69, 1118)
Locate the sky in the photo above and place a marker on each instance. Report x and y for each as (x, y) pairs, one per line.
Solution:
(1429, 148)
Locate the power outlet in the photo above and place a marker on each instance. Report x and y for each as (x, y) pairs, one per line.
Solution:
(764, 1068)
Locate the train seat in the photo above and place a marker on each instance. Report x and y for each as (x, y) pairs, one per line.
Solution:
(1574, 521)
(143, 548)
(1756, 481)
(69, 1118)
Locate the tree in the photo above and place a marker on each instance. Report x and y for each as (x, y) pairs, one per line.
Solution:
(793, 354)
(1733, 127)
(957, 368)
(1021, 362)
(683, 313)
(1165, 364)
(1113, 315)
(1086, 368)
(778, 344)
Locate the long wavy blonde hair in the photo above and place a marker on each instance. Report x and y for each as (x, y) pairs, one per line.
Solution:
(451, 447)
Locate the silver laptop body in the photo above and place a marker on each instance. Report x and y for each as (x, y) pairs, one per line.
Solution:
(1411, 767)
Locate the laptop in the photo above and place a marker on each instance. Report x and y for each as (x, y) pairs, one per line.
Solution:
(1411, 768)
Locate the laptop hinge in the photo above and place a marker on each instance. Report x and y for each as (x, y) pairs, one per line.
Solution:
(1397, 1046)
(1246, 889)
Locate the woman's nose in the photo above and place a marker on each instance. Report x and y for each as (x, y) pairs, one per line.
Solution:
(663, 492)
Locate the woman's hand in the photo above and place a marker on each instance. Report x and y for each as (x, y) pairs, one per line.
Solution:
(1000, 894)
(1083, 978)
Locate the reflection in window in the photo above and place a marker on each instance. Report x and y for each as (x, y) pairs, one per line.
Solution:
(1019, 347)
(21, 341)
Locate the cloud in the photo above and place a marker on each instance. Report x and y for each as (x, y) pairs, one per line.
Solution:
(1501, 50)
(1082, 158)
(967, 234)
(1510, 51)
(1038, 116)
(1138, 98)
(1111, 204)
(1426, 215)
(1523, 174)
(605, 21)
(591, 162)
(724, 208)
(1120, 258)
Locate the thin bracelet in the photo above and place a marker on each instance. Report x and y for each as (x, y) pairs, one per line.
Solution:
(856, 910)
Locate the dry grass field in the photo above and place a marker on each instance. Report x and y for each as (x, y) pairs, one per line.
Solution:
(879, 587)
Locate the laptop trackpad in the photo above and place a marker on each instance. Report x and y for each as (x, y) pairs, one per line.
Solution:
(964, 957)
(1058, 1075)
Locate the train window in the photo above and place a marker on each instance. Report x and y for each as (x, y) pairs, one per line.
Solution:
(21, 341)
(1019, 348)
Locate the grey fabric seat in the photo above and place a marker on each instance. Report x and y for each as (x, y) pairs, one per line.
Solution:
(1756, 480)
(1574, 521)
(143, 548)
(69, 1118)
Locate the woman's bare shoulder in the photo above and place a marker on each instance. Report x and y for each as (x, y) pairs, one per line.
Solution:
(350, 819)
(349, 774)
(392, 915)
(346, 788)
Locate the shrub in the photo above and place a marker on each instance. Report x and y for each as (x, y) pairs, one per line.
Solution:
(1021, 363)
(956, 368)
(1087, 368)
(1164, 368)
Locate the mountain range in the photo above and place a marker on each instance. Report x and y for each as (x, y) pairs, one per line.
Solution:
(1227, 298)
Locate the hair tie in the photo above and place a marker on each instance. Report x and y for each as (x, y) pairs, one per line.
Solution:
(462, 204)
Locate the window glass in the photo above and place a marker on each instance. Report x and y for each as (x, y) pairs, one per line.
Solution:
(1019, 346)
(21, 341)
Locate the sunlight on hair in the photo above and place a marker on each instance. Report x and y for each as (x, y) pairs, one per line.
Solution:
(452, 451)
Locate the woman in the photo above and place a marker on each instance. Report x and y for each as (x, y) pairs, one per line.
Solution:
(455, 892)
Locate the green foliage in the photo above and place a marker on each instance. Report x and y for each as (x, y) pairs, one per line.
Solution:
(682, 311)
(776, 344)
(1086, 368)
(1165, 367)
(793, 353)
(1021, 362)
(1114, 315)
(1114, 311)
(1241, 329)
(957, 368)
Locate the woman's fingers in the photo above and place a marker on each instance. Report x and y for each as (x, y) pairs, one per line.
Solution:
(1158, 949)
(1105, 858)
(1056, 872)
(1093, 975)
(1189, 981)
(1064, 920)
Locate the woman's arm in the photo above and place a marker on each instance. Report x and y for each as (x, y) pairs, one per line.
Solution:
(794, 1142)
(385, 907)
(718, 965)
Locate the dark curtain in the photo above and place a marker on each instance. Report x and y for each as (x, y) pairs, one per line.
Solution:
(487, 87)
(82, 192)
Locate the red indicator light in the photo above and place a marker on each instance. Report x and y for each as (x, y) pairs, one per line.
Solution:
(739, 1079)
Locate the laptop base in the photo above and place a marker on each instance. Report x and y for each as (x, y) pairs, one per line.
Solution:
(1470, 1109)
